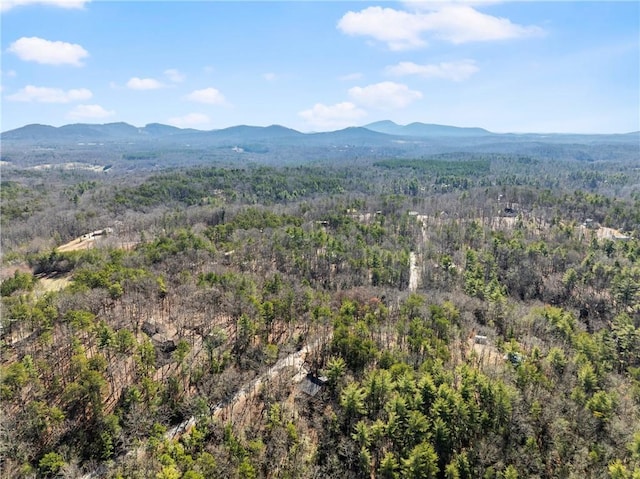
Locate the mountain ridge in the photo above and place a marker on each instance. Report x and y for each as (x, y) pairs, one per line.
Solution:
(425, 129)
(157, 130)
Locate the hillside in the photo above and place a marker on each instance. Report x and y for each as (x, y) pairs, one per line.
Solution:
(458, 314)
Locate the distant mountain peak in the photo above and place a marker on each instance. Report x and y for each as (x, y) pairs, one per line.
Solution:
(382, 123)
(424, 129)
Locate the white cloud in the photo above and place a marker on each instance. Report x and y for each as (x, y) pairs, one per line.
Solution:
(351, 77)
(456, 71)
(398, 29)
(136, 83)
(436, 4)
(454, 22)
(91, 112)
(190, 120)
(9, 4)
(463, 24)
(270, 76)
(38, 94)
(34, 49)
(385, 95)
(331, 117)
(174, 75)
(210, 96)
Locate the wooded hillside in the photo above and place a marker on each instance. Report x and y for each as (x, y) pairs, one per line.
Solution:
(454, 316)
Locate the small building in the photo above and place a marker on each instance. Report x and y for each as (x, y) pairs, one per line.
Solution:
(311, 385)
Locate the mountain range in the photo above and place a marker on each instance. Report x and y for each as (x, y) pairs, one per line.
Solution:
(373, 133)
(156, 145)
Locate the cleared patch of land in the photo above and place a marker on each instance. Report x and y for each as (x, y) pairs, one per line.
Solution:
(76, 245)
(51, 284)
(85, 241)
(69, 166)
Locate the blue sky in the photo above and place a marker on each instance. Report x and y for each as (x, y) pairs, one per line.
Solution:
(318, 66)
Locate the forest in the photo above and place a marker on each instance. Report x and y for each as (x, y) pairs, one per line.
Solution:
(455, 315)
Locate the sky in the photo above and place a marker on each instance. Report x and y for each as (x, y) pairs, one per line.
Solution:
(564, 67)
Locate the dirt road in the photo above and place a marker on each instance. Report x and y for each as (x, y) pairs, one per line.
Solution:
(293, 362)
(413, 272)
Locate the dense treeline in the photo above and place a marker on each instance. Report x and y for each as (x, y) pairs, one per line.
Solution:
(467, 320)
(440, 167)
(43, 208)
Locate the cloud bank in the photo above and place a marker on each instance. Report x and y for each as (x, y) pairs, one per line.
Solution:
(6, 5)
(332, 117)
(37, 94)
(449, 21)
(136, 83)
(455, 71)
(209, 96)
(39, 50)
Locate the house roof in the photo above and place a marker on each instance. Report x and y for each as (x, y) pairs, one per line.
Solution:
(312, 385)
